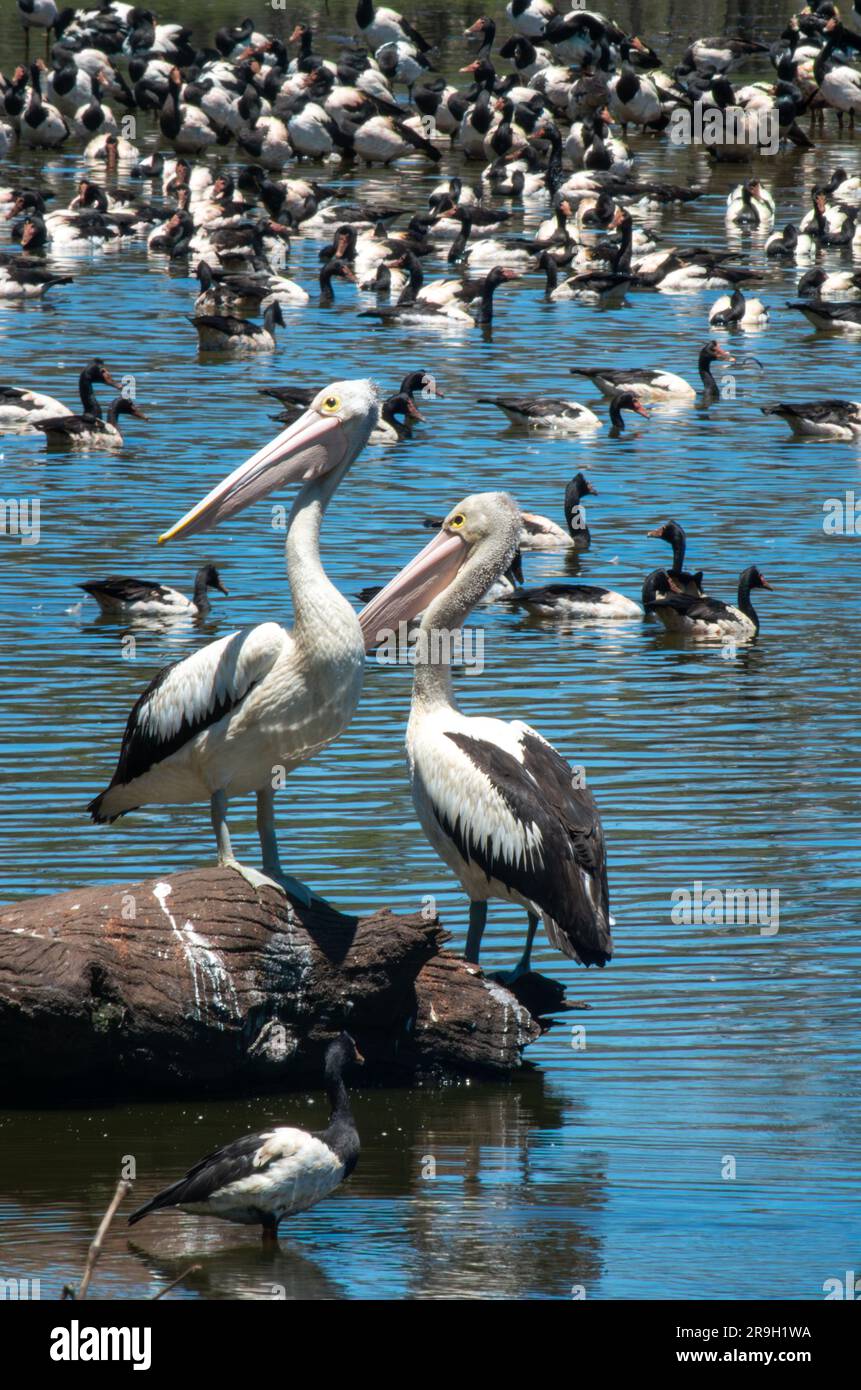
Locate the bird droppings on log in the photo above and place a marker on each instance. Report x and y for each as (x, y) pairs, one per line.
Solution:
(194, 983)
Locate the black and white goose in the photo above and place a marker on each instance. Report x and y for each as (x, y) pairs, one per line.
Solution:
(680, 580)
(22, 409)
(653, 384)
(821, 283)
(263, 1178)
(89, 431)
(225, 333)
(737, 311)
(830, 317)
(577, 601)
(710, 619)
(499, 804)
(829, 419)
(119, 595)
(540, 532)
(545, 413)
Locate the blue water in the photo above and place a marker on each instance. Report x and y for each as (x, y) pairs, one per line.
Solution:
(604, 1168)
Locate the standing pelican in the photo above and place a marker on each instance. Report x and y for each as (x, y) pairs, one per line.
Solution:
(497, 802)
(240, 713)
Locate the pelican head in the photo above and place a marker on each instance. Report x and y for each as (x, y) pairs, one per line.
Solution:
(327, 437)
(484, 527)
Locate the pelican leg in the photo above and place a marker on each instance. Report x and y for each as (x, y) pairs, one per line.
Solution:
(293, 887)
(272, 871)
(477, 923)
(226, 858)
(524, 965)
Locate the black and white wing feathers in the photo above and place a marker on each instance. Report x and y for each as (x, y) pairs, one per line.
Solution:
(560, 862)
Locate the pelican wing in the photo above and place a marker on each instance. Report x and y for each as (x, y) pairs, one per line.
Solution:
(191, 695)
(551, 846)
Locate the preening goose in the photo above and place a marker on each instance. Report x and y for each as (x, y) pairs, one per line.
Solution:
(829, 317)
(142, 598)
(736, 311)
(263, 1178)
(708, 618)
(499, 804)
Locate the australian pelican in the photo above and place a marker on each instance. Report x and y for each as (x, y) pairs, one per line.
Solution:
(240, 713)
(263, 1178)
(497, 802)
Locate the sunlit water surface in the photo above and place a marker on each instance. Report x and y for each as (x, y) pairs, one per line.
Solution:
(709, 1050)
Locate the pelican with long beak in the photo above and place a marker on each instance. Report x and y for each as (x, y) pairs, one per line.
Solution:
(496, 801)
(242, 712)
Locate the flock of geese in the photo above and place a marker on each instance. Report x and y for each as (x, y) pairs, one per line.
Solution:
(545, 114)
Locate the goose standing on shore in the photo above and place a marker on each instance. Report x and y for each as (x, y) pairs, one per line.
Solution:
(263, 1178)
(216, 724)
(501, 807)
(142, 598)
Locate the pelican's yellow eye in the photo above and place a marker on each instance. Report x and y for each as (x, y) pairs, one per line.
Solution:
(458, 520)
(331, 404)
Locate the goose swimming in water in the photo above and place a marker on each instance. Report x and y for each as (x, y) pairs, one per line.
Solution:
(21, 408)
(545, 413)
(821, 283)
(567, 600)
(501, 807)
(680, 580)
(652, 384)
(263, 1178)
(540, 533)
(122, 596)
(224, 333)
(830, 419)
(830, 317)
(709, 618)
(89, 431)
(214, 725)
(736, 311)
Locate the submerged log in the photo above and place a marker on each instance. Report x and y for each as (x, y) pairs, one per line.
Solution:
(196, 983)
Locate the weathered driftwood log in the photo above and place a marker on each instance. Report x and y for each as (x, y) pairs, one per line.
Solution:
(196, 982)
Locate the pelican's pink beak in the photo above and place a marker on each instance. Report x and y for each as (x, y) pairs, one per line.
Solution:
(410, 592)
(313, 445)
